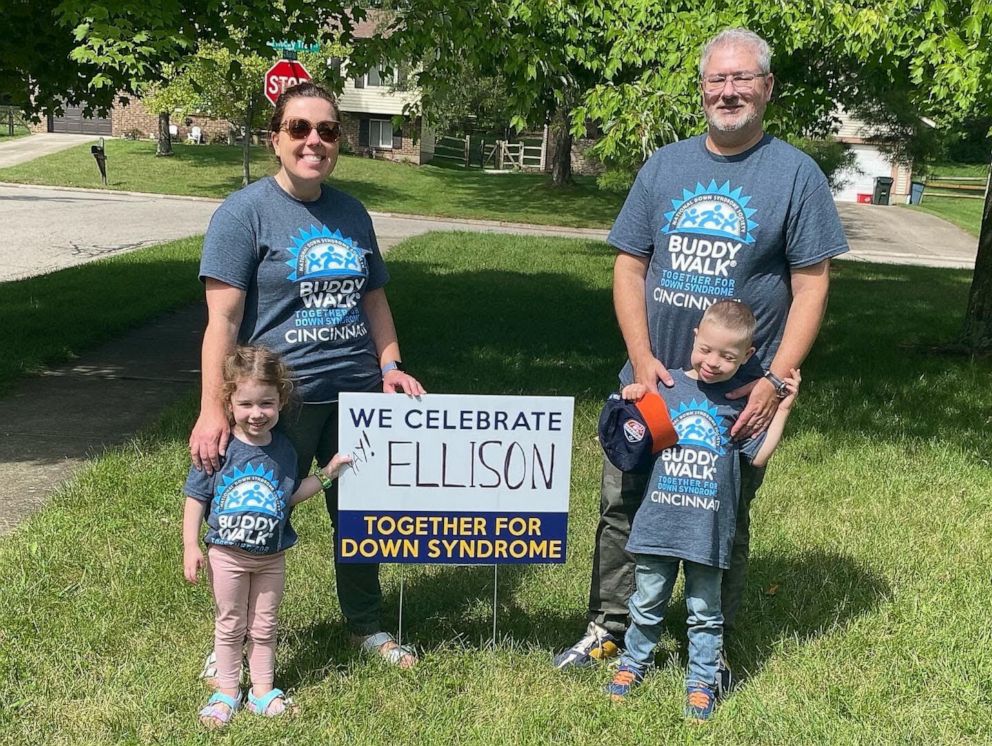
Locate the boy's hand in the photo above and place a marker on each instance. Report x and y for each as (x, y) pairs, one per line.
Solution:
(335, 465)
(633, 392)
(193, 561)
(792, 382)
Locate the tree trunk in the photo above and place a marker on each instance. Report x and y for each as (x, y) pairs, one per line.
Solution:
(978, 318)
(164, 146)
(246, 144)
(561, 164)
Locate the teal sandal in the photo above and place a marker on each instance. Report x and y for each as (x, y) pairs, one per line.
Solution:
(260, 705)
(214, 715)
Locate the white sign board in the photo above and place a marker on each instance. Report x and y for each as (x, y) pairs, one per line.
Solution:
(454, 479)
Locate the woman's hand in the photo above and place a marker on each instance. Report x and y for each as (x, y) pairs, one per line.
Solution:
(397, 382)
(208, 441)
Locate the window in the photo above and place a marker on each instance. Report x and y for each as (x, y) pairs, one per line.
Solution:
(379, 78)
(379, 134)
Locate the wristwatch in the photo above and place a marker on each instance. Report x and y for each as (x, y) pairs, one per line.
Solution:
(781, 389)
(325, 481)
(394, 365)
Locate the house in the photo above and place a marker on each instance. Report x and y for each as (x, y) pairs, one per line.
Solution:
(872, 162)
(368, 104)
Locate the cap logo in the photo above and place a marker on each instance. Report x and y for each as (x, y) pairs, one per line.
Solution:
(633, 431)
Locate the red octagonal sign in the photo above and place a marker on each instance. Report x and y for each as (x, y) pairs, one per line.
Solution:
(282, 75)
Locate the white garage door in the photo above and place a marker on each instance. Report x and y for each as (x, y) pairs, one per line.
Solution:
(861, 180)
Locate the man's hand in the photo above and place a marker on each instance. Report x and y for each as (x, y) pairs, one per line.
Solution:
(651, 370)
(396, 381)
(762, 403)
(208, 441)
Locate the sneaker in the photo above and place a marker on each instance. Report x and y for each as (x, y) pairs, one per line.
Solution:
(724, 677)
(626, 678)
(699, 702)
(596, 645)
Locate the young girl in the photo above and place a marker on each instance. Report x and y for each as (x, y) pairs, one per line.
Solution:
(247, 506)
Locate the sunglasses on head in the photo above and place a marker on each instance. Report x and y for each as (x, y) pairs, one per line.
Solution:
(299, 129)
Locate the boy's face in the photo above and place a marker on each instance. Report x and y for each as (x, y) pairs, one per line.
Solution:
(718, 352)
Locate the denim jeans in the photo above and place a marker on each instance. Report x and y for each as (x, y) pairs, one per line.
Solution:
(612, 580)
(655, 577)
(313, 430)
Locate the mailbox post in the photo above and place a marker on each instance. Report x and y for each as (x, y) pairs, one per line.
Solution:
(100, 153)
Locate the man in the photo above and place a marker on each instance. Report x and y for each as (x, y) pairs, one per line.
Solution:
(733, 213)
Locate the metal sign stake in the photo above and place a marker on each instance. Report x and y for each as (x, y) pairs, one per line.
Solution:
(399, 631)
(495, 597)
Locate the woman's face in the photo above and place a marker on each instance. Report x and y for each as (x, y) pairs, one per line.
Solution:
(310, 159)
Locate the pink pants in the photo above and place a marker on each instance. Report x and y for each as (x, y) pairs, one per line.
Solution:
(247, 591)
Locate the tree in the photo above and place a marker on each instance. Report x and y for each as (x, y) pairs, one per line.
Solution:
(92, 52)
(176, 96)
(222, 84)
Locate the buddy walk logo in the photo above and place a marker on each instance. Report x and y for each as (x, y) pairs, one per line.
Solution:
(249, 506)
(320, 252)
(688, 476)
(707, 229)
(330, 271)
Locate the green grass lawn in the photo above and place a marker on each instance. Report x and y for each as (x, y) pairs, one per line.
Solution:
(51, 318)
(864, 619)
(215, 171)
(964, 213)
(951, 168)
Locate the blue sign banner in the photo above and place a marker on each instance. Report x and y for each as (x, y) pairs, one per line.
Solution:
(470, 538)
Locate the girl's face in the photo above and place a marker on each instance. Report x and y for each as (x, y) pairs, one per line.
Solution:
(255, 409)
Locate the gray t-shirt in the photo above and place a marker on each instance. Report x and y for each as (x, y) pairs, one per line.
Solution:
(689, 508)
(725, 227)
(305, 267)
(248, 497)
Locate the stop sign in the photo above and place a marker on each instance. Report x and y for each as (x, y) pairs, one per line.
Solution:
(282, 75)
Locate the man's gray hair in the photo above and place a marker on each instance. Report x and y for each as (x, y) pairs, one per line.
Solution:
(738, 37)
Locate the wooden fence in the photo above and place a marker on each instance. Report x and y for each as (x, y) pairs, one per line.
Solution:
(526, 154)
(963, 187)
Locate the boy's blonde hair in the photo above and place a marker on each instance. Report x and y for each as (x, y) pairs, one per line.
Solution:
(733, 315)
(260, 364)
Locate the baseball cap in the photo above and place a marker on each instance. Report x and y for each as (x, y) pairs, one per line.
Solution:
(633, 432)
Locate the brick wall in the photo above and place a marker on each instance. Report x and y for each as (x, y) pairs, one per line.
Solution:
(134, 116)
(410, 150)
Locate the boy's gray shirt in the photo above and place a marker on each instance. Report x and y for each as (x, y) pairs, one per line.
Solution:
(305, 268)
(690, 504)
(725, 227)
(247, 499)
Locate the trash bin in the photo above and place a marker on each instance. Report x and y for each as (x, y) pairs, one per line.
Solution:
(883, 188)
(915, 192)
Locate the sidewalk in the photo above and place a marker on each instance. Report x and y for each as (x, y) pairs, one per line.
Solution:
(53, 423)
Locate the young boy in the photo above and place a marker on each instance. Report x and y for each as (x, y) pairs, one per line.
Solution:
(689, 508)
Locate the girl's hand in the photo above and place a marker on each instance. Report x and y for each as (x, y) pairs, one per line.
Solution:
(792, 382)
(335, 465)
(193, 561)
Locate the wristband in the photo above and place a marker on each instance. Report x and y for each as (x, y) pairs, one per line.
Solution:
(394, 365)
(325, 481)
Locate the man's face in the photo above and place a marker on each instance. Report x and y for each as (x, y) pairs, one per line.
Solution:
(731, 109)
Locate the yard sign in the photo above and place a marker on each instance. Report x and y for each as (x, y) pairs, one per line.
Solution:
(454, 479)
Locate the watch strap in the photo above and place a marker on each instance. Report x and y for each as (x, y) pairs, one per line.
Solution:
(393, 365)
(781, 390)
(325, 481)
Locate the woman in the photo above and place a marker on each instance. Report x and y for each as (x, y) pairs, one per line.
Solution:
(293, 264)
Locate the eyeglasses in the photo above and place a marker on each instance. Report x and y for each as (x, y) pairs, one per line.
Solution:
(299, 129)
(740, 81)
